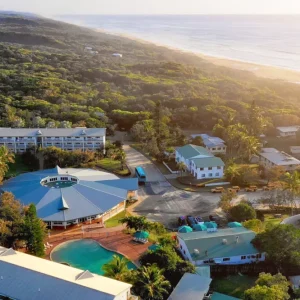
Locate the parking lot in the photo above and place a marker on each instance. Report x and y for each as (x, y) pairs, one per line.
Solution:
(163, 203)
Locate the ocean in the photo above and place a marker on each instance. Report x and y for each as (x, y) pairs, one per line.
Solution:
(266, 40)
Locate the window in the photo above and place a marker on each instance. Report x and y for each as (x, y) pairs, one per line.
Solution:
(180, 246)
(213, 149)
(184, 252)
(217, 175)
(243, 257)
(219, 168)
(210, 175)
(201, 169)
(206, 261)
(209, 168)
(203, 175)
(253, 256)
(258, 255)
(226, 259)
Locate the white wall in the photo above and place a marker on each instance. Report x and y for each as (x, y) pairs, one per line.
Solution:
(180, 158)
(216, 173)
(217, 149)
(234, 260)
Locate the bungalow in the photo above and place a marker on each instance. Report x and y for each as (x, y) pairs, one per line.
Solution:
(200, 162)
(226, 247)
(212, 144)
(271, 157)
(287, 131)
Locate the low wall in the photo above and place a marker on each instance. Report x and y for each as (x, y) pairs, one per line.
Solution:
(170, 170)
(217, 183)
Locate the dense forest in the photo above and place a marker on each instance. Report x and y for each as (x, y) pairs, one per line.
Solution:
(47, 79)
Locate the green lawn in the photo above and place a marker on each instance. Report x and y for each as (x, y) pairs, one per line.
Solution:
(17, 168)
(271, 221)
(114, 221)
(112, 166)
(233, 285)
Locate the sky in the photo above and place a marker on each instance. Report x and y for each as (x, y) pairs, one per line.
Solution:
(55, 7)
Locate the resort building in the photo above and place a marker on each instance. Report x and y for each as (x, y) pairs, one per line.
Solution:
(226, 246)
(27, 277)
(270, 157)
(200, 162)
(195, 286)
(287, 131)
(213, 144)
(80, 138)
(66, 197)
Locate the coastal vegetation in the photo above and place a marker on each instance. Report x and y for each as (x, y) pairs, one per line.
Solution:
(47, 79)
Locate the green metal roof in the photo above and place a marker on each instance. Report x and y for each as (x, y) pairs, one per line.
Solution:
(218, 244)
(218, 296)
(206, 162)
(203, 271)
(189, 151)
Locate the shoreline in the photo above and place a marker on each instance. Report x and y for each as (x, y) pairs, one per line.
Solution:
(259, 70)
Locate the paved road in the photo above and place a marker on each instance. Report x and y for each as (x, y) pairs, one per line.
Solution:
(135, 159)
(164, 203)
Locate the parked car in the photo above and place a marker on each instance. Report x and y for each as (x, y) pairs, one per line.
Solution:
(235, 188)
(218, 189)
(199, 220)
(182, 221)
(251, 188)
(191, 221)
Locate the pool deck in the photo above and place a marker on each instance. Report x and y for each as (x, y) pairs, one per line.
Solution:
(114, 239)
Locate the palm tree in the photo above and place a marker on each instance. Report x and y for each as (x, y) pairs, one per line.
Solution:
(252, 146)
(232, 172)
(150, 283)
(117, 268)
(6, 157)
(181, 167)
(291, 183)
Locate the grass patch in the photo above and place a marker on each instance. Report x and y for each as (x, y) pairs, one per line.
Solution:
(18, 167)
(233, 285)
(270, 220)
(112, 166)
(114, 221)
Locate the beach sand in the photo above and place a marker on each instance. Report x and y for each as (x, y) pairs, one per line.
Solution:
(258, 70)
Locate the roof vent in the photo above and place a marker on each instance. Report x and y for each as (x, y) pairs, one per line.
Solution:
(224, 241)
(8, 252)
(38, 132)
(237, 239)
(196, 251)
(83, 132)
(84, 275)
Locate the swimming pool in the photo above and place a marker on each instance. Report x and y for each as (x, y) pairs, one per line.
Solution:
(85, 255)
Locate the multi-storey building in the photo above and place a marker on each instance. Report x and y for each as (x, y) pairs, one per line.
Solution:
(21, 139)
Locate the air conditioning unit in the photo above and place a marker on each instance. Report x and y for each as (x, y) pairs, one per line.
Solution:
(224, 241)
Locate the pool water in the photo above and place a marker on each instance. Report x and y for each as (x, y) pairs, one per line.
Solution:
(85, 255)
